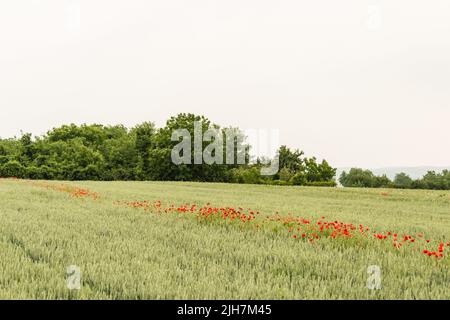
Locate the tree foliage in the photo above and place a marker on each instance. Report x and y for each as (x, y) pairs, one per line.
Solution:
(357, 177)
(98, 152)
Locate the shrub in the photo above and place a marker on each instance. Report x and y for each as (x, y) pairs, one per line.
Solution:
(285, 174)
(280, 183)
(12, 168)
(246, 175)
(402, 181)
(299, 179)
(330, 183)
(33, 172)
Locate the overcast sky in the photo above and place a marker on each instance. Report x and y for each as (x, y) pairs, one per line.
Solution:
(360, 83)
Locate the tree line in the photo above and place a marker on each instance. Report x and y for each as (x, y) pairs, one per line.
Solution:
(357, 177)
(99, 152)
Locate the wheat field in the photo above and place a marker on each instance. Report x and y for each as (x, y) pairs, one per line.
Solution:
(127, 250)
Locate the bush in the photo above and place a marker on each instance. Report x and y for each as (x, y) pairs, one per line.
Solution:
(285, 174)
(402, 181)
(3, 160)
(299, 179)
(330, 183)
(381, 182)
(357, 178)
(33, 172)
(12, 169)
(280, 183)
(245, 175)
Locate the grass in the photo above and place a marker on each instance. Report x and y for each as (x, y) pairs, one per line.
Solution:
(128, 253)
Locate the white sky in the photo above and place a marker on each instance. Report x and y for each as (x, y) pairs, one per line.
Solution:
(358, 82)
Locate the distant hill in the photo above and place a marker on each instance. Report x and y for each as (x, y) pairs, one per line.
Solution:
(413, 172)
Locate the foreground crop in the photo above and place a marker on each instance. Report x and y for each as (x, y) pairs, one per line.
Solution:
(178, 244)
(296, 227)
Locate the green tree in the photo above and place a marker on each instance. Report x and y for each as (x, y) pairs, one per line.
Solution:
(381, 182)
(144, 134)
(403, 181)
(357, 177)
(290, 159)
(98, 152)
